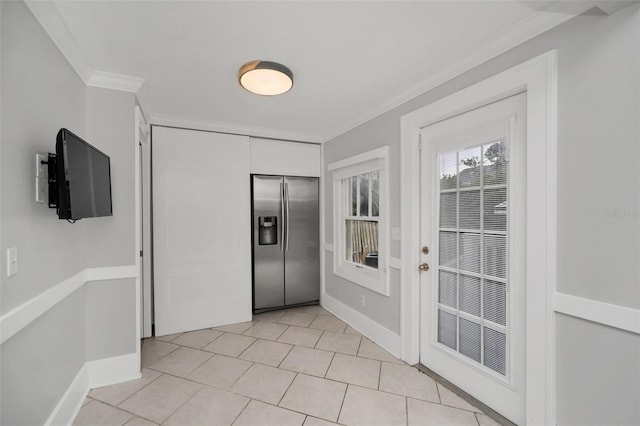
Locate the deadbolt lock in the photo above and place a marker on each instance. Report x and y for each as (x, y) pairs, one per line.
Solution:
(423, 267)
(425, 250)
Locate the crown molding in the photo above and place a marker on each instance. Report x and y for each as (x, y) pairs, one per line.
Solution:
(47, 14)
(237, 129)
(515, 35)
(108, 80)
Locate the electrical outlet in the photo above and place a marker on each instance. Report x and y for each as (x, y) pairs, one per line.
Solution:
(362, 302)
(395, 234)
(12, 261)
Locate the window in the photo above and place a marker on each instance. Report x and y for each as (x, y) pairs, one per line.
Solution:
(360, 216)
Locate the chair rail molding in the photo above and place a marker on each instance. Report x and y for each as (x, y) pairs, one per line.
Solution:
(18, 318)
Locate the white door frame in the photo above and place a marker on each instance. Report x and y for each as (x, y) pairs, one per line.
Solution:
(142, 223)
(538, 77)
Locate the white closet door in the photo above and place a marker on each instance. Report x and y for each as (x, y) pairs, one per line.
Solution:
(201, 229)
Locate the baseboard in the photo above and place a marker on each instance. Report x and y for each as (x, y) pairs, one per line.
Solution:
(381, 335)
(93, 374)
(72, 400)
(117, 369)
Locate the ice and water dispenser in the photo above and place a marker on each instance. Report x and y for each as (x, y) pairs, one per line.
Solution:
(267, 230)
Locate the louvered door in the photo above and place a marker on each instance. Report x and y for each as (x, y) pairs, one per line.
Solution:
(472, 221)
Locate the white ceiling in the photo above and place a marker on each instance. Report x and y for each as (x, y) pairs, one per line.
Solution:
(351, 60)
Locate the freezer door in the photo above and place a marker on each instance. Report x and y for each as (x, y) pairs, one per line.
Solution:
(268, 248)
(302, 246)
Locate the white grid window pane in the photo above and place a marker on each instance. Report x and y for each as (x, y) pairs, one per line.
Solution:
(470, 339)
(495, 209)
(447, 289)
(353, 195)
(495, 164)
(495, 255)
(364, 194)
(375, 193)
(473, 243)
(469, 210)
(448, 210)
(449, 171)
(447, 329)
(469, 252)
(495, 302)
(448, 249)
(469, 167)
(470, 294)
(495, 350)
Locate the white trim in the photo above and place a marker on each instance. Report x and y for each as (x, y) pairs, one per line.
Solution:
(117, 369)
(142, 171)
(47, 14)
(375, 279)
(108, 80)
(395, 263)
(93, 374)
(381, 335)
(21, 316)
(621, 317)
(323, 218)
(374, 154)
(112, 273)
(69, 405)
(519, 33)
(328, 246)
(538, 77)
(166, 120)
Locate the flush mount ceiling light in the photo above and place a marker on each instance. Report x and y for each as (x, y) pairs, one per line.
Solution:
(265, 78)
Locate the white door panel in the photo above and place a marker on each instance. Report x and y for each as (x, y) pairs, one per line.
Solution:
(473, 222)
(202, 240)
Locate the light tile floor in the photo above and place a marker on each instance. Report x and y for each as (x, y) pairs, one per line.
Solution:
(301, 366)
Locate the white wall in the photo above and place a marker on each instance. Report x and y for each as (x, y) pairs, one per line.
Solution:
(40, 94)
(598, 151)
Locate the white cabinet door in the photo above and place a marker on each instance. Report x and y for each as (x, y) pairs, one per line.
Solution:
(273, 157)
(201, 229)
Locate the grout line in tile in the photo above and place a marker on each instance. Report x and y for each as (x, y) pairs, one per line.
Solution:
(130, 396)
(183, 404)
(406, 409)
(344, 396)
(319, 338)
(329, 366)
(246, 349)
(127, 411)
(238, 378)
(243, 408)
(287, 354)
(287, 390)
(438, 391)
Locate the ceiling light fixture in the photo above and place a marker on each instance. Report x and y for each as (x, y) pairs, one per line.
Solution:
(265, 78)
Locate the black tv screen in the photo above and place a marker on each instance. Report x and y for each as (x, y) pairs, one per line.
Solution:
(84, 178)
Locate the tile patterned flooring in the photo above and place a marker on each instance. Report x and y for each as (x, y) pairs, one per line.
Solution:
(301, 366)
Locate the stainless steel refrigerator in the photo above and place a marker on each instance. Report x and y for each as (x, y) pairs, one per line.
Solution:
(286, 247)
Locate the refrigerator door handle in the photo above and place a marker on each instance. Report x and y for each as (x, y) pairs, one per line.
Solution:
(282, 216)
(286, 196)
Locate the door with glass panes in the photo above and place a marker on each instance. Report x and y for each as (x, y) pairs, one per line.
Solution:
(473, 252)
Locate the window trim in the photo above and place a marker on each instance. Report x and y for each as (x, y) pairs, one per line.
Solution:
(376, 280)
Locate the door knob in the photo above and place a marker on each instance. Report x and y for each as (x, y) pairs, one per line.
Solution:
(423, 267)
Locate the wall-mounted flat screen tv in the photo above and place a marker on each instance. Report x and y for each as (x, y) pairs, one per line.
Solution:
(83, 178)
